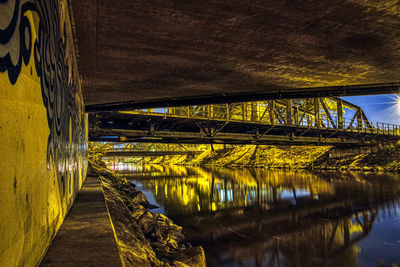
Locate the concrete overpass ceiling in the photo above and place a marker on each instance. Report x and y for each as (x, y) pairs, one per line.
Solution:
(147, 49)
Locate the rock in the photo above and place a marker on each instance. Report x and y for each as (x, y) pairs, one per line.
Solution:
(128, 189)
(146, 239)
(146, 221)
(150, 206)
(380, 169)
(193, 257)
(132, 184)
(180, 264)
(137, 211)
(139, 198)
(159, 228)
(134, 248)
(162, 218)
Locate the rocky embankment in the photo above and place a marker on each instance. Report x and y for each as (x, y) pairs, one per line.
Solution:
(288, 157)
(385, 159)
(263, 156)
(144, 238)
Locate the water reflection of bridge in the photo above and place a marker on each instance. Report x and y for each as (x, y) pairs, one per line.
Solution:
(200, 190)
(276, 218)
(310, 243)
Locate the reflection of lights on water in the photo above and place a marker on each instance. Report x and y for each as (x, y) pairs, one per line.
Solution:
(222, 195)
(288, 194)
(230, 195)
(225, 193)
(120, 166)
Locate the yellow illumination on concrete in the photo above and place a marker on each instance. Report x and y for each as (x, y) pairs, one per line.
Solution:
(32, 207)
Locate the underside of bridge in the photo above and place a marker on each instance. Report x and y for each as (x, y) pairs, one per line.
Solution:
(229, 71)
(141, 50)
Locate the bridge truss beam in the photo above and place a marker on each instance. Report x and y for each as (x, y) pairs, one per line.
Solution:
(290, 93)
(289, 121)
(148, 153)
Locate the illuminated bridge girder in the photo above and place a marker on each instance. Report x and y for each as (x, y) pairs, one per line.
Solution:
(299, 93)
(330, 121)
(128, 153)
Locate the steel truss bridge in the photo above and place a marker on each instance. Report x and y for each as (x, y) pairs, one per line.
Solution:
(131, 153)
(317, 121)
(154, 150)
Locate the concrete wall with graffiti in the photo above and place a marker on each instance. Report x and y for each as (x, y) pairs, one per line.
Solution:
(43, 133)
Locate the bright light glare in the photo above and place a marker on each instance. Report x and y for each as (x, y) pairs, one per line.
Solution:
(397, 104)
(394, 109)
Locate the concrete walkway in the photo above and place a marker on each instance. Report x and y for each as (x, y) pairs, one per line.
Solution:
(86, 237)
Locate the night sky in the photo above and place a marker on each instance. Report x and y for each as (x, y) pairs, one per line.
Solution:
(381, 108)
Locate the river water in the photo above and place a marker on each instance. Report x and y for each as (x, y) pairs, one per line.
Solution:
(255, 217)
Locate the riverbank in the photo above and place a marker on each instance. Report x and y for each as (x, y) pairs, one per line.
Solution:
(288, 157)
(385, 159)
(263, 156)
(144, 238)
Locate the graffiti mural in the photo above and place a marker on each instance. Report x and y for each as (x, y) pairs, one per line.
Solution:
(16, 38)
(54, 57)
